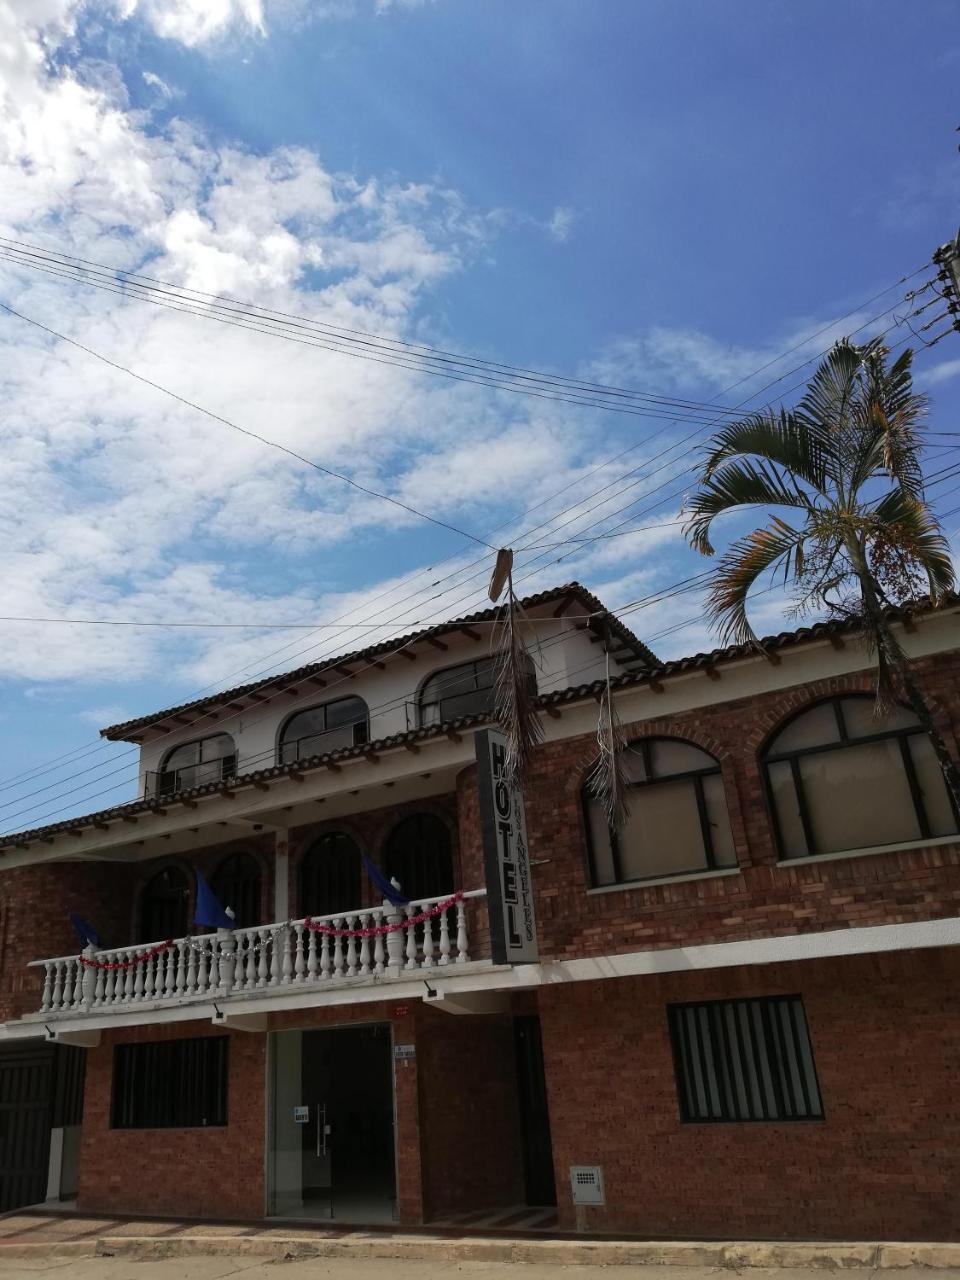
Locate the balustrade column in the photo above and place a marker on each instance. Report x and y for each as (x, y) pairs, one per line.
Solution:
(395, 937)
(462, 954)
(226, 946)
(88, 982)
(411, 932)
(68, 986)
(47, 995)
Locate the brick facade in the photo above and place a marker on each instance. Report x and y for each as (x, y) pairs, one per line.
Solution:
(884, 1163)
(884, 1029)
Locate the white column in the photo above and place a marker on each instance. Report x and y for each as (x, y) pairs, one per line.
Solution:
(281, 877)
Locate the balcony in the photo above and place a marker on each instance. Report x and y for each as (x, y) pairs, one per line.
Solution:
(160, 784)
(315, 954)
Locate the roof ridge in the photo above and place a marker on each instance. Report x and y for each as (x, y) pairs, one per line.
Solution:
(118, 731)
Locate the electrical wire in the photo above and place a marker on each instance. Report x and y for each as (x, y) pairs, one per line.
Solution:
(543, 502)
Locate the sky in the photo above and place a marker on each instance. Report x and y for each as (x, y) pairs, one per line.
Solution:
(662, 196)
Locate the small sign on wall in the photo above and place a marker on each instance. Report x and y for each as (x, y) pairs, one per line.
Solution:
(503, 824)
(404, 1052)
(301, 1115)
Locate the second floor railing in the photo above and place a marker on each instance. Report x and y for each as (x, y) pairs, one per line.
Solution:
(365, 943)
(162, 783)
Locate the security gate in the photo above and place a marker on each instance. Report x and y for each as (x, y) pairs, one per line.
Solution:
(26, 1095)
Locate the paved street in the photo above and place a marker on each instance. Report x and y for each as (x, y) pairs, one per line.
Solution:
(388, 1269)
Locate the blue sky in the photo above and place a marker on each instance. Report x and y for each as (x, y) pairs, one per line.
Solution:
(661, 195)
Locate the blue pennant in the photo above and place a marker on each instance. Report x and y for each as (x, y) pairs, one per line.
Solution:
(88, 935)
(209, 911)
(383, 886)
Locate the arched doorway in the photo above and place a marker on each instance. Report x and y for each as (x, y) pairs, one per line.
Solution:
(237, 884)
(330, 875)
(418, 854)
(164, 906)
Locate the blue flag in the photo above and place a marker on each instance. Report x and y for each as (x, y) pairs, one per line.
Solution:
(383, 886)
(209, 910)
(88, 935)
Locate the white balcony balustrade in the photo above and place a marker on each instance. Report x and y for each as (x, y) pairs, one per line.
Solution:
(369, 942)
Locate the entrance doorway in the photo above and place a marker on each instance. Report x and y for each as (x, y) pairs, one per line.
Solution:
(535, 1142)
(332, 1125)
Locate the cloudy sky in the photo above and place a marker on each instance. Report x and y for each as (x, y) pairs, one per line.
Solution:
(689, 199)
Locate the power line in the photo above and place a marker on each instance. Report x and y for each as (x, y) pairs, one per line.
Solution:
(273, 444)
(375, 347)
(550, 520)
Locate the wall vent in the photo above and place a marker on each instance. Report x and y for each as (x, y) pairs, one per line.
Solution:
(586, 1181)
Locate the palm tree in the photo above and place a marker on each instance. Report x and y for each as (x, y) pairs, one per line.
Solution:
(856, 536)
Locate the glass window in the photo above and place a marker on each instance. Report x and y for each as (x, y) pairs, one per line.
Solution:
(677, 823)
(464, 690)
(841, 778)
(329, 727)
(196, 763)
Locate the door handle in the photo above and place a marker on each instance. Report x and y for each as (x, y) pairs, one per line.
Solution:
(321, 1129)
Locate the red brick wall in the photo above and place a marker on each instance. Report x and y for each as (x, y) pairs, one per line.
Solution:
(884, 1164)
(468, 1110)
(765, 899)
(214, 1172)
(35, 903)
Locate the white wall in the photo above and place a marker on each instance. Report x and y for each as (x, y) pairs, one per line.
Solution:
(561, 654)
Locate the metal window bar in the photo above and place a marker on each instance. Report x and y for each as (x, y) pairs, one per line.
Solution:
(170, 1084)
(744, 1060)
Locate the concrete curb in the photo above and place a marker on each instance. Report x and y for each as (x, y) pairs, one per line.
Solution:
(729, 1255)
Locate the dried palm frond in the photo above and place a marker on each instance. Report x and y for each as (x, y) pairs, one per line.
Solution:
(607, 780)
(514, 689)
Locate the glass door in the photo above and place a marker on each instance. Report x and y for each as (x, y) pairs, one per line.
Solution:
(330, 1141)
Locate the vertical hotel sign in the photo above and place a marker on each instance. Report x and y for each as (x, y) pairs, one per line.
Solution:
(506, 857)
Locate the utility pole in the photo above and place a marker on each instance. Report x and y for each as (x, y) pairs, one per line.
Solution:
(947, 258)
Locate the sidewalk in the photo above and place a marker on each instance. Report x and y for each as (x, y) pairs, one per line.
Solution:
(40, 1239)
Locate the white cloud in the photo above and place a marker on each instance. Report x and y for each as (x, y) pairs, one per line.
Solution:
(195, 22)
(135, 506)
(166, 91)
(561, 223)
(940, 373)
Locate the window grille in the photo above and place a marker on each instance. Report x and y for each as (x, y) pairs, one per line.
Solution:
(170, 1084)
(741, 1060)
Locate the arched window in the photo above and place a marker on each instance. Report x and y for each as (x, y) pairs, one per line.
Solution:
(196, 763)
(464, 690)
(236, 883)
(417, 853)
(164, 904)
(678, 822)
(330, 876)
(329, 727)
(839, 779)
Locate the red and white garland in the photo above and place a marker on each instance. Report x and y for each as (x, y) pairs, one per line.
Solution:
(374, 931)
(377, 931)
(132, 961)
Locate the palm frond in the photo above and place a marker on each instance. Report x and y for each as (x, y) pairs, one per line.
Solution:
(514, 692)
(607, 779)
(825, 405)
(907, 524)
(741, 482)
(777, 438)
(776, 546)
